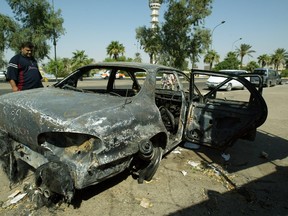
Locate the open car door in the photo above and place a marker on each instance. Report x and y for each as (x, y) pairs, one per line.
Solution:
(216, 117)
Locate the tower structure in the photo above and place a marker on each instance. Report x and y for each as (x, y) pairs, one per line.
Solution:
(154, 6)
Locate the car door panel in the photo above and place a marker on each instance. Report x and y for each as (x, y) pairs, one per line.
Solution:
(219, 122)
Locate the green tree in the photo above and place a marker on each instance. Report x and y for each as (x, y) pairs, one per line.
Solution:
(245, 49)
(230, 62)
(62, 68)
(36, 21)
(211, 57)
(115, 49)
(251, 66)
(80, 59)
(264, 60)
(150, 42)
(177, 39)
(120, 58)
(284, 73)
(199, 43)
(7, 27)
(187, 17)
(279, 57)
(175, 42)
(67, 68)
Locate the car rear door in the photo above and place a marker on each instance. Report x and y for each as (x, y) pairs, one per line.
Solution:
(218, 118)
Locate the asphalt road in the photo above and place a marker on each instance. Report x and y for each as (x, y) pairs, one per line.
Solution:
(191, 182)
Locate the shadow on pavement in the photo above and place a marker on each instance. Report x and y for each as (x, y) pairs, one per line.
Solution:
(245, 154)
(263, 196)
(94, 190)
(266, 196)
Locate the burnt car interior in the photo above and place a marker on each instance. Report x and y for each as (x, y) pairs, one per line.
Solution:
(171, 97)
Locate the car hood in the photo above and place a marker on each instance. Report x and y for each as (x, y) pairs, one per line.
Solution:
(51, 109)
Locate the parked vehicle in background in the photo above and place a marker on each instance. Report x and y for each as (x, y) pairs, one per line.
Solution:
(269, 77)
(3, 75)
(107, 74)
(214, 81)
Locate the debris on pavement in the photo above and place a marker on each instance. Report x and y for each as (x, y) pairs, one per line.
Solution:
(194, 164)
(184, 172)
(145, 203)
(14, 198)
(176, 151)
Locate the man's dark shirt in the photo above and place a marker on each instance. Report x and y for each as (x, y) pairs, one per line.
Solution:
(24, 71)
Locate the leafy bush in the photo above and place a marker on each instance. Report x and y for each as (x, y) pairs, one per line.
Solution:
(284, 73)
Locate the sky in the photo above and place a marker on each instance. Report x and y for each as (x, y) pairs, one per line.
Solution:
(91, 25)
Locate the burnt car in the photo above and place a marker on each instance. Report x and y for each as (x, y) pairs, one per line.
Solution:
(75, 134)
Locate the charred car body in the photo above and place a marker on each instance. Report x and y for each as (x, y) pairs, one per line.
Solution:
(74, 135)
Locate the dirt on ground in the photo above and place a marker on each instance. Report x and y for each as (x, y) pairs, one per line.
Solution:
(189, 182)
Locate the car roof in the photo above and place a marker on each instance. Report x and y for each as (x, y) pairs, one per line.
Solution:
(143, 66)
(233, 71)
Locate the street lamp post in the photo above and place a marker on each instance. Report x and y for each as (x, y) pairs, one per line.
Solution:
(213, 32)
(234, 43)
(137, 45)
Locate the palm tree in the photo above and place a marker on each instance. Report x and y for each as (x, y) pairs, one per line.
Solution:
(79, 59)
(67, 66)
(264, 60)
(279, 57)
(245, 49)
(211, 57)
(114, 49)
(251, 66)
